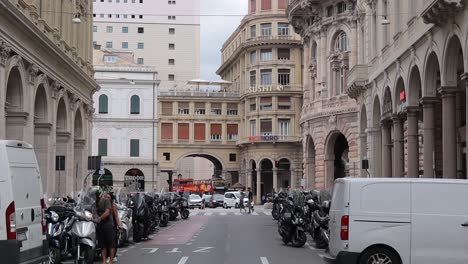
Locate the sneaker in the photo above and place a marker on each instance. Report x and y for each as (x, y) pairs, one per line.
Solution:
(115, 259)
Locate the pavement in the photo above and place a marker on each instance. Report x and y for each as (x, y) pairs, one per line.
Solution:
(219, 236)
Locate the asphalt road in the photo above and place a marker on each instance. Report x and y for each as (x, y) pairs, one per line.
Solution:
(219, 236)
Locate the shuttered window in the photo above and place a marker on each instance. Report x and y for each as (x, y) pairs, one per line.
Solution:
(266, 103)
(265, 127)
(232, 131)
(266, 4)
(253, 6)
(216, 131)
(200, 132)
(102, 147)
(134, 147)
(232, 109)
(103, 104)
(166, 131)
(135, 105)
(284, 102)
(184, 132)
(184, 108)
(282, 4)
(167, 108)
(216, 109)
(200, 109)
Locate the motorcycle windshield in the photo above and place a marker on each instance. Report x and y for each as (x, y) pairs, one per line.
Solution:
(121, 196)
(87, 200)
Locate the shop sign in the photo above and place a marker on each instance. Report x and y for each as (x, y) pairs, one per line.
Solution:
(269, 138)
(266, 89)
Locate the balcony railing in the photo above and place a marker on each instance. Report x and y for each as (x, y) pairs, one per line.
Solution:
(266, 38)
(198, 94)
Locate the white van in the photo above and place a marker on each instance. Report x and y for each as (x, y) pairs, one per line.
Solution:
(232, 199)
(22, 220)
(399, 221)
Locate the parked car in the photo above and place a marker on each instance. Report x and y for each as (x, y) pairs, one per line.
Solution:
(398, 221)
(23, 223)
(194, 200)
(232, 199)
(216, 200)
(206, 198)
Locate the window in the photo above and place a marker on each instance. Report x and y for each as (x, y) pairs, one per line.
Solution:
(117, 16)
(140, 61)
(124, 29)
(282, 4)
(265, 127)
(232, 157)
(216, 131)
(141, 45)
(141, 1)
(171, 77)
(184, 108)
(253, 57)
(200, 132)
(253, 6)
(171, 46)
(266, 55)
(341, 81)
(125, 16)
(124, 45)
(109, 29)
(171, 17)
(109, 44)
(135, 105)
(102, 147)
(171, 31)
(232, 131)
(253, 78)
(253, 31)
(284, 76)
(101, 15)
(167, 156)
(329, 11)
(341, 7)
(284, 103)
(140, 16)
(134, 147)
(284, 54)
(232, 109)
(266, 4)
(94, 28)
(110, 15)
(253, 128)
(200, 109)
(141, 30)
(110, 59)
(266, 29)
(184, 131)
(265, 77)
(216, 109)
(167, 108)
(103, 104)
(341, 43)
(253, 104)
(283, 29)
(166, 131)
(283, 127)
(266, 103)
(133, 16)
(171, 61)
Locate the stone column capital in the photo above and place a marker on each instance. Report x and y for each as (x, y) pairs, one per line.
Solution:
(448, 91)
(397, 118)
(386, 123)
(412, 110)
(429, 101)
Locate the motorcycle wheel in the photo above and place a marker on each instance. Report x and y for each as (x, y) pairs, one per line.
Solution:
(54, 255)
(164, 221)
(299, 239)
(320, 242)
(285, 239)
(86, 255)
(185, 214)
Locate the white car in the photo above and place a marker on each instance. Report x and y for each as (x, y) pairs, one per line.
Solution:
(194, 201)
(22, 207)
(399, 221)
(232, 199)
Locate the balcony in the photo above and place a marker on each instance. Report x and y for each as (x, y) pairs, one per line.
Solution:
(357, 79)
(438, 11)
(198, 94)
(271, 40)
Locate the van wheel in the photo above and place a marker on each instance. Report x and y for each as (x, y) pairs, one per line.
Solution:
(378, 256)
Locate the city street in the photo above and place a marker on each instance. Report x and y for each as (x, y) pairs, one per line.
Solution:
(219, 236)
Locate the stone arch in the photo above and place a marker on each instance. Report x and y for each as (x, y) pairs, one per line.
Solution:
(387, 103)
(16, 115)
(336, 156)
(400, 87)
(219, 164)
(41, 103)
(310, 162)
(432, 75)
(414, 87)
(376, 138)
(62, 115)
(266, 167)
(334, 33)
(452, 53)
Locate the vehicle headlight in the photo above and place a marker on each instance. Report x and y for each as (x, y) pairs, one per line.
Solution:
(301, 221)
(54, 216)
(88, 215)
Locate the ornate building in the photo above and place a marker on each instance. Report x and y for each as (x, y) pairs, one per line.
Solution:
(46, 85)
(263, 60)
(329, 121)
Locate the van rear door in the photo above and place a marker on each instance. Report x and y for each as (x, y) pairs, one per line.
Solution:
(339, 208)
(27, 195)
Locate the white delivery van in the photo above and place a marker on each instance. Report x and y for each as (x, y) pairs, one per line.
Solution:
(399, 221)
(22, 222)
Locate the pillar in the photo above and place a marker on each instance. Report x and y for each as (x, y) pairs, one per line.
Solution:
(363, 151)
(375, 157)
(428, 137)
(449, 140)
(258, 199)
(275, 180)
(386, 149)
(294, 179)
(413, 143)
(398, 148)
(464, 78)
(249, 178)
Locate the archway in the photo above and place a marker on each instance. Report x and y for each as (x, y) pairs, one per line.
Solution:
(284, 174)
(42, 129)
(414, 123)
(399, 120)
(363, 138)
(266, 170)
(104, 180)
(310, 163)
(62, 148)
(15, 117)
(200, 167)
(337, 157)
(79, 150)
(134, 179)
(376, 140)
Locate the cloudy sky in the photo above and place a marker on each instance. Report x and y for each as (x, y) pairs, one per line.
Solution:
(215, 30)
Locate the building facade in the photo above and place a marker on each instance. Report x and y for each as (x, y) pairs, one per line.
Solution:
(125, 124)
(46, 85)
(263, 60)
(408, 75)
(162, 34)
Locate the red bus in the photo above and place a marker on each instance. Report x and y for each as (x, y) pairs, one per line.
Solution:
(197, 186)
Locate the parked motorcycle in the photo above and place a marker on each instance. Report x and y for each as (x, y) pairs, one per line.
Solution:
(163, 211)
(179, 204)
(317, 218)
(125, 215)
(153, 215)
(59, 223)
(277, 201)
(291, 224)
(139, 216)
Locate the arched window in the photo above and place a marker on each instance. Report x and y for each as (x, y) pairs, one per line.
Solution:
(135, 105)
(103, 104)
(341, 42)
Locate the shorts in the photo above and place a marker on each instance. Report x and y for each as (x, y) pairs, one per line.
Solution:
(107, 237)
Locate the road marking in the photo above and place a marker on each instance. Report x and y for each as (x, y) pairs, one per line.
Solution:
(203, 250)
(174, 250)
(131, 247)
(208, 213)
(238, 213)
(151, 250)
(183, 260)
(254, 213)
(264, 260)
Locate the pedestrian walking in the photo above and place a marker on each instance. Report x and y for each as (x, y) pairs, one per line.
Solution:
(241, 203)
(105, 229)
(117, 223)
(250, 196)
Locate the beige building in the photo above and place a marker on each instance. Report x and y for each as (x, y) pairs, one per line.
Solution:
(263, 60)
(46, 85)
(408, 74)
